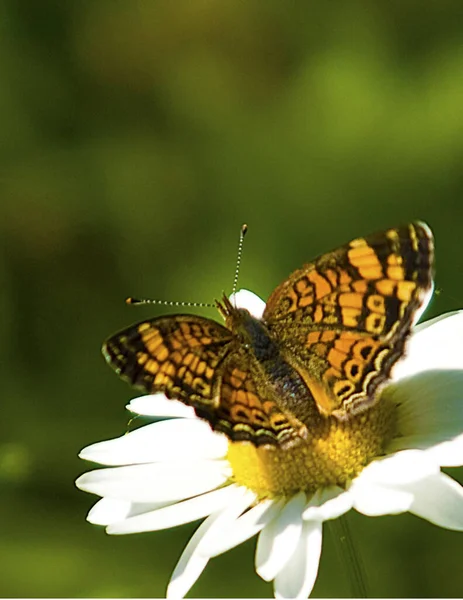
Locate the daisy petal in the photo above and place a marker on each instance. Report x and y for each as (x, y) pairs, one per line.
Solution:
(160, 442)
(156, 482)
(191, 564)
(108, 510)
(249, 301)
(436, 344)
(245, 527)
(297, 578)
(176, 514)
(278, 540)
(193, 559)
(430, 412)
(328, 503)
(439, 499)
(375, 500)
(402, 467)
(157, 405)
(448, 454)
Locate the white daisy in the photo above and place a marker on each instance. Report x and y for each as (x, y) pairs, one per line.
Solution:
(385, 461)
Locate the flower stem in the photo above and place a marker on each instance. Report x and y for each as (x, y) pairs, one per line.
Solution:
(349, 556)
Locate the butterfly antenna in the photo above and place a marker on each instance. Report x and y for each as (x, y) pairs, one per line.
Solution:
(138, 301)
(243, 231)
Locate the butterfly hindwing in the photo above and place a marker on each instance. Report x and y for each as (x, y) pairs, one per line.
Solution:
(247, 411)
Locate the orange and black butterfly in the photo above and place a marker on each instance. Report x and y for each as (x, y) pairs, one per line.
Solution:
(327, 341)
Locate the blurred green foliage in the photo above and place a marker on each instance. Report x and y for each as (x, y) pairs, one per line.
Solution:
(136, 137)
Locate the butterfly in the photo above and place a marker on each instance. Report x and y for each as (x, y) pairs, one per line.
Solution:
(327, 341)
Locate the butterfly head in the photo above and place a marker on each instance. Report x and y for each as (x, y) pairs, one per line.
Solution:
(249, 330)
(232, 315)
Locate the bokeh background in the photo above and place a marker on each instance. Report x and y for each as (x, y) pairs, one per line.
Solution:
(136, 136)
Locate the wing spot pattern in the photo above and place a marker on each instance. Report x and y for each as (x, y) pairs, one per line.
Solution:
(336, 358)
(327, 336)
(396, 273)
(305, 301)
(320, 349)
(350, 300)
(405, 290)
(364, 350)
(360, 286)
(374, 323)
(303, 286)
(376, 303)
(350, 317)
(313, 337)
(332, 277)
(322, 286)
(343, 388)
(353, 370)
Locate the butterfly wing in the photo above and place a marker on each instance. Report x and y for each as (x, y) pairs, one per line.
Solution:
(178, 355)
(247, 411)
(344, 318)
(197, 361)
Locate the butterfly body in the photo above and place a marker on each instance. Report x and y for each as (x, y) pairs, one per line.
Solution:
(325, 346)
(274, 377)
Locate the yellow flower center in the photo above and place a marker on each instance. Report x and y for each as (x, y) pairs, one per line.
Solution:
(333, 454)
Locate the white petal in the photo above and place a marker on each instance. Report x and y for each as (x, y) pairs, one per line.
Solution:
(194, 559)
(431, 322)
(191, 563)
(157, 405)
(400, 468)
(429, 412)
(167, 440)
(177, 514)
(278, 540)
(249, 301)
(328, 503)
(439, 499)
(157, 482)
(436, 344)
(375, 500)
(108, 510)
(244, 528)
(298, 577)
(448, 454)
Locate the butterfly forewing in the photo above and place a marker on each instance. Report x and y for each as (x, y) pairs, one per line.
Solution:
(178, 355)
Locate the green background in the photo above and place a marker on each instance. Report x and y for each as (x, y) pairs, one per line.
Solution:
(136, 138)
